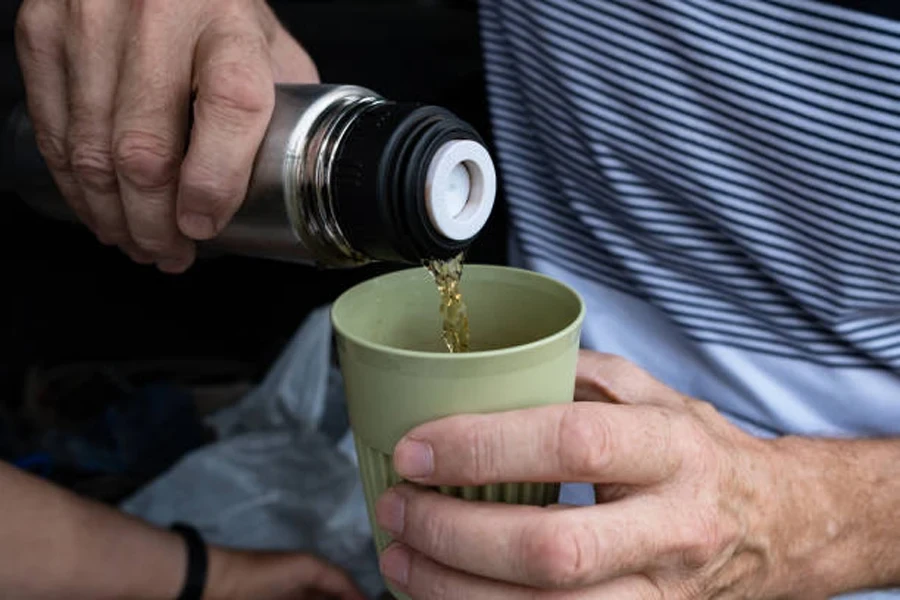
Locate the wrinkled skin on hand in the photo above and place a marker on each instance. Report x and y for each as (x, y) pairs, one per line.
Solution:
(109, 87)
(689, 507)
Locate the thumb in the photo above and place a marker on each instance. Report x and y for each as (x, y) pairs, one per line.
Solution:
(613, 379)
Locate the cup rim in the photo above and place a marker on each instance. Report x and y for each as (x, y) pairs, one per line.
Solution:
(574, 324)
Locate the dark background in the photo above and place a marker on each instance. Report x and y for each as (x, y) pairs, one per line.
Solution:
(67, 299)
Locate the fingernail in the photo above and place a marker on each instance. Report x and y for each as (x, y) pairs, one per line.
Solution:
(390, 512)
(197, 226)
(413, 459)
(395, 562)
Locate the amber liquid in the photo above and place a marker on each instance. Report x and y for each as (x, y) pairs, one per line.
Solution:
(455, 328)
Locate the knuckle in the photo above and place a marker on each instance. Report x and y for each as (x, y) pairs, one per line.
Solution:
(147, 160)
(236, 90)
(53, 148)
(605, 364)
(554, 557)
(584, 442)
(34, 23)
(611, 374)
(207, 194)
(93, 166)
(482, 462)
(436, 534)
(688, 442)
(703, 541)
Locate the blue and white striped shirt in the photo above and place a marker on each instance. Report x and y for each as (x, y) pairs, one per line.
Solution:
(721, 180)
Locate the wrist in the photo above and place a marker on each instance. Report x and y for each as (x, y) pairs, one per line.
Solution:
(220, 584)
(799, 521)
(758, 506)
(833, 515)
(117, 556)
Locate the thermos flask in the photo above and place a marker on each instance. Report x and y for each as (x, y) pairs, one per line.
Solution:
(343, 177)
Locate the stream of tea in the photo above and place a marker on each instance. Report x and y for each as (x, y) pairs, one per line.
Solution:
(455, 328)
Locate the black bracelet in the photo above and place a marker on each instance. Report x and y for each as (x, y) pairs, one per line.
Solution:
(197, 562)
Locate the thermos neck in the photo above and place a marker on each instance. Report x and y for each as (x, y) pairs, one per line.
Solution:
(408, 182)
(310, 160)
(342, 177)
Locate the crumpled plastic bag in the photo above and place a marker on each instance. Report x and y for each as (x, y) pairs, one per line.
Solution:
(282, 475)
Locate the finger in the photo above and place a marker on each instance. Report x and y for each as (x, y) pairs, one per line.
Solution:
(290, 62)
(93, 49)
(328, 580)
(579, 442)
(149, 129)
(424, 579)
(609, 378)
(528, 545)
(235, 96)
(40, 47)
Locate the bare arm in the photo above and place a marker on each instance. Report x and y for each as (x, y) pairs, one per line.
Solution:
(840, 522)
(54, 544)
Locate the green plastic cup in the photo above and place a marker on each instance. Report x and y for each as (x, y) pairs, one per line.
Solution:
(525, 330)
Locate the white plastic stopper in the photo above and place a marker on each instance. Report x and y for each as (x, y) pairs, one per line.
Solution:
(460, 188)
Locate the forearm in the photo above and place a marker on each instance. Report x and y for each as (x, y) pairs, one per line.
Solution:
(55, 544)
(840, 521)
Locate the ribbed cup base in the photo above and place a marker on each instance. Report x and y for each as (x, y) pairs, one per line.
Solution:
(378, 475)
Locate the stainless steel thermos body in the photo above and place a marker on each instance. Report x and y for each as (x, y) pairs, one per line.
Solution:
(342, 177)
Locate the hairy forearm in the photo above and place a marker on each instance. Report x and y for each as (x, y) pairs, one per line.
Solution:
(54, 544)
(839, 516)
